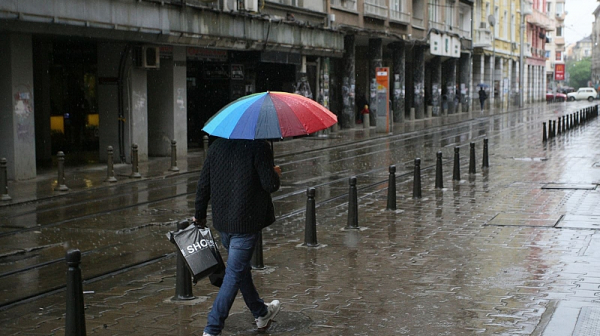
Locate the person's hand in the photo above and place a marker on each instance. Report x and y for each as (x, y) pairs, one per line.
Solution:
(277, 170)
(201, 223)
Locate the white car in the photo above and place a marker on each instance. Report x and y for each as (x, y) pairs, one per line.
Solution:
(583, 93)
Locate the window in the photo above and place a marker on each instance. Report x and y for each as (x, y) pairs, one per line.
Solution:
(505, 25)
(434, 11)
(560, 8)
(549, 7)
(547, 54)
(514, 27)
(450, 13)
(558, 56)
(497, 17)
(559, 31)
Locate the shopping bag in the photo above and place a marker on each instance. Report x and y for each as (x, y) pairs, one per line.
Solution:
(216, 278)
(197, 247)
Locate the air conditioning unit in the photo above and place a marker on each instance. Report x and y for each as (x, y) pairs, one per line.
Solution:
(482, 25)
(514, 46)
(147, 57)
(240, 5)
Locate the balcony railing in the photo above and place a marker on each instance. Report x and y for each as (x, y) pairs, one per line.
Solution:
(346, 4)
(540, 19)
(417, 22)
(376, 8)
(466, 33)
(437, 25)
(483, 38)
(399, 16)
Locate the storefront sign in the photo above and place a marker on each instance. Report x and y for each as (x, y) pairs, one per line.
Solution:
(559, 72)
(237, 71)
(444, 45)
(211, 55)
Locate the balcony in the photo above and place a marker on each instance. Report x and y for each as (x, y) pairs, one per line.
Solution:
(560, 16)
(345, 4)
(418, 22)
(437, 25)
(527, 50)
(399, 16)
(463, 32)
(376, 8)
(482, 39)
(559, 40)
(540, 19)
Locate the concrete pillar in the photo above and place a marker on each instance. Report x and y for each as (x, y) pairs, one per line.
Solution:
(43, 136)
(491, 67)
(478, 77)
(500, 76)
(436, 85)
(419, 81)
(375, 61)
(17, 122)
(398, 94)
(167, 105)
(464, 82)
(137, 119)
(109, 59)
(346, 120)
(449, 73)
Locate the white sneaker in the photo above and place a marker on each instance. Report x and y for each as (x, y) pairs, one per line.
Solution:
(264, 322)
(206, 334)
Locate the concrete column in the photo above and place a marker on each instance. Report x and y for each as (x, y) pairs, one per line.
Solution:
(43, 136)
(346, 120)
(375, 61)
(449, 70)
(436, 85)
(137, 113)
(464, 82)
(500, 78)
(419, 81)
(109, 59)
(478, 77)
(167, 106)
(398, 94)
(17, 122)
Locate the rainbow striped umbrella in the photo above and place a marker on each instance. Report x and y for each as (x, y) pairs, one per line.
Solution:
(269, 115)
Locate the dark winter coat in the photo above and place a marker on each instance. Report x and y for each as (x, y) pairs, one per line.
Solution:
(238, 177)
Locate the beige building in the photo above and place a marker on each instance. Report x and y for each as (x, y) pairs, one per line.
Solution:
(596, 48)
(555, 45)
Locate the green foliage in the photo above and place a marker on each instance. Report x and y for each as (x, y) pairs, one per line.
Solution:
(579, 72)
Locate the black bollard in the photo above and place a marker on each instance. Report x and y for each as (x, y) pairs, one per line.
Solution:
(472, 163)
(205, 145)
(417, 179)
(439, 176)
(110, 172)
(571, 116)
(135, 169)
(310, 227)
(257, 257)
(456, 172)
(183, 280)
(75, 314)
(550, 129)
(485, 162)
(564, 128)
(553, 128)
(544, 136)
(60, 183)
(4, 181)
(174, 167)
(352, 204)
(559, 129)
(391, 196)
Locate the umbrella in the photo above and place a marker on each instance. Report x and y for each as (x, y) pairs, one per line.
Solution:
(269, 115)
(483, 85)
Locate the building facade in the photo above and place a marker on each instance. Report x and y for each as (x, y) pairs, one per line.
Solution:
(555, 46)
(596, 48)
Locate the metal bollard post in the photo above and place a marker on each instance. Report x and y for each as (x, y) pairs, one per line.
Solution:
(456, 173)
(544, 136)
(439, 177)
(75, 314)
(4, 181)
(550, 129)
(391, 196)
(60, 184)
(310, 227)
(553, 128)
(564, 128)
(110, 172)
(135, 170)
(205, 145)
(472, 163)
(174, 167)
(183, 280)
(571, 116)
(417, 179)
(352, 204)
(257, 258)
(559, 127)
(485, 162)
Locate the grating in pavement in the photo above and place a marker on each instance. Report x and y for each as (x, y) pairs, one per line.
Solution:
(579, 222)
(588, 323)
(569, 186)
(520, 219)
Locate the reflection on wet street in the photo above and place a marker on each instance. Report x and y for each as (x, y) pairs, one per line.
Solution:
(506, 251)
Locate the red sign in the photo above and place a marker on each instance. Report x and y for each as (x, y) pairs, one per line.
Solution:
(559, 72)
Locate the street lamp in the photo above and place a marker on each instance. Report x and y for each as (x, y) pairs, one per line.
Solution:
(492, 22)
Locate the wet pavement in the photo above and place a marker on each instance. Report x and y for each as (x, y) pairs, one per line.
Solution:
(508, 251)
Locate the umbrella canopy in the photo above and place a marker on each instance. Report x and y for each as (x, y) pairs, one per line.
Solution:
(483, 85)
(269, 115)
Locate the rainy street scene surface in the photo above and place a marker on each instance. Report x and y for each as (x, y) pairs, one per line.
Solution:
(509, 249)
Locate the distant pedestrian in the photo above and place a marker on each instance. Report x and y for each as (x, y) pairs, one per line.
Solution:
(364, 113)
(238, 177)
(482, 97)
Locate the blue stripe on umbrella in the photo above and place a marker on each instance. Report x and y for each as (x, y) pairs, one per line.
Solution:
(267, 125)
(246, 124)
(223, 123)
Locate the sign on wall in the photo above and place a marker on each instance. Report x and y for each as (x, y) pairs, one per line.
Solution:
(444, 45)
(559, 72)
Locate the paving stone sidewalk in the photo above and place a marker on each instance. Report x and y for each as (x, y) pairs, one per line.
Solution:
(498, 253)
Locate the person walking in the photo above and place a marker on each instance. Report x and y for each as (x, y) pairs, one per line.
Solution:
(482, 97)
(238, 177)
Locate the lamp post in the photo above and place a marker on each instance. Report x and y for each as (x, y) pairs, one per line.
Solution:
(492, 22)
(521, 65)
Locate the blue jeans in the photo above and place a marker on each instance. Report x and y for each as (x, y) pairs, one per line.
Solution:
(238, 276)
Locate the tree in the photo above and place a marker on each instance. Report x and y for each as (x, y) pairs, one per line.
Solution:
(580, 72)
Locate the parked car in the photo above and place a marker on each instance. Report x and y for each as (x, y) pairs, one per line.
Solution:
(583, 93)
(555, 97)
